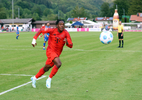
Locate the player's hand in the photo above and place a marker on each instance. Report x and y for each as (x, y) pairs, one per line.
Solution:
(66, 41)
(34, 42)
(45, 29)
(121, 34)
(117, 35)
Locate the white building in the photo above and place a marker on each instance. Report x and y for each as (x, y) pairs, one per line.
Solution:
(104, 20)
(24, 24)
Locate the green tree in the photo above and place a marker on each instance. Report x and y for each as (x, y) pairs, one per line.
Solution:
(79, 12)
(122, 6)
(47, 11)
(69, 14)
(36, 9)
(52, 17)
(105, 10)
(26, 11)
(44, 18)
(23, 4)
(36, 16)
(61, 15)
(135, 7)
(3, 14)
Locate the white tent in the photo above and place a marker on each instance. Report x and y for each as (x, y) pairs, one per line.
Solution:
(90, 24)
(67, 24)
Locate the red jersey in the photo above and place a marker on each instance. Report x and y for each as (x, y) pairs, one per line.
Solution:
(56, 39)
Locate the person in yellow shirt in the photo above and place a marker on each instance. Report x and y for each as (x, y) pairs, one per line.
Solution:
(120, 34)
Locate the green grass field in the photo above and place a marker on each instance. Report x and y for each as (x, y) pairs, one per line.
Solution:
(105, 71)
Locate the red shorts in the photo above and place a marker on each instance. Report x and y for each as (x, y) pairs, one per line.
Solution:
(50, 57)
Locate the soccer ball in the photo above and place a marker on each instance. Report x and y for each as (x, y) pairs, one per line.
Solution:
(106, 37)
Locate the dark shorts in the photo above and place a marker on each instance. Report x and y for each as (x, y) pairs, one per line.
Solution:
(119, 36)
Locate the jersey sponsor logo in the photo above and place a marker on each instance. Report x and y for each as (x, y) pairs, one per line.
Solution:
(57, 39)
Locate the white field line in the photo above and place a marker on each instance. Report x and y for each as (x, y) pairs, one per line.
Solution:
(66, 49)
(102, 50)
(19, 86)
(30, 46)
(17, 74)
(20, 49)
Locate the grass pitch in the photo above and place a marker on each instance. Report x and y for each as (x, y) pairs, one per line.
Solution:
(89, 71)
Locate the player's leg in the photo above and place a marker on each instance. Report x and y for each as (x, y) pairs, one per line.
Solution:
(44, 43)
(119, 35)
(57, 65)
(44, 69)
(40, 73)
(122, 41)
(17, 35)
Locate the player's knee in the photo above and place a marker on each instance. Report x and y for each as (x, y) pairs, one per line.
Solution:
(59, 64)
(47, 67)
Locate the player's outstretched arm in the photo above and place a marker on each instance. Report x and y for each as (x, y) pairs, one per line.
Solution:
(41, 36)
(43, 31)
(35, 37)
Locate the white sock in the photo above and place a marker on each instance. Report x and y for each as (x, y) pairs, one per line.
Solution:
(35, 78)
(49, 79)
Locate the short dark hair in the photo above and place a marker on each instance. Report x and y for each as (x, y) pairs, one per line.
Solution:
(58, 20)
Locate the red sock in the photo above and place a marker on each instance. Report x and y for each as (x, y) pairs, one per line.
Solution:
(40, 73)
(53, 71)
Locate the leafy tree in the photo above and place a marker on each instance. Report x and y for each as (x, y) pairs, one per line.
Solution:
(105, 9)
(3, 14)
(61, 15)
(26, 11)
(122, 5)
(69, 15)
(52, 17)
(47, 11)
(23, 4)
(36, 9)
(135, 7)
(79, 12)
(42, 6)
(36, 16)
(44, 18)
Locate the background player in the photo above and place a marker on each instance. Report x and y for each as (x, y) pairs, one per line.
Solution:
(106, 27)
(17, 31)
(46, 36)
(120, 34)
(57, 39)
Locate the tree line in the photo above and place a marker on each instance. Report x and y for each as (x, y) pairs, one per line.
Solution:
(125, 7)
(53, 9)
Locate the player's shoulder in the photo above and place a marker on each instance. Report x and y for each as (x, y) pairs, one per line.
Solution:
(54, 29)
(66, 31)
(122, 26)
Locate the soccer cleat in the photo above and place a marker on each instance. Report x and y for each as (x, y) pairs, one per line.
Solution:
(122, 47)
(33, 82)
(118, 47)
(48, 83)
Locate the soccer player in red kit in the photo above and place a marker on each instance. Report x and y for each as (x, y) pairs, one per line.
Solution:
(57, 39)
